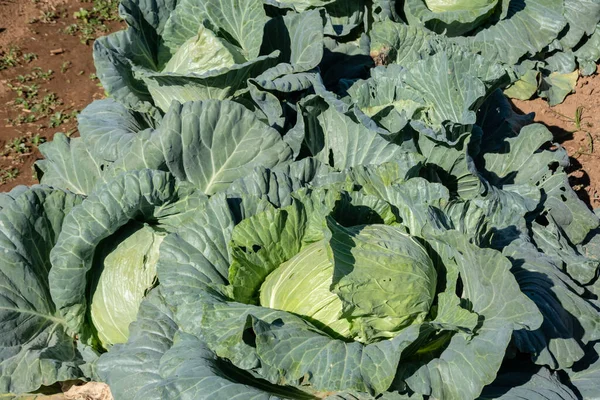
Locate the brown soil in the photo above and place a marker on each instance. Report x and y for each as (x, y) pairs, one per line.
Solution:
(580, 136)
(22, 24)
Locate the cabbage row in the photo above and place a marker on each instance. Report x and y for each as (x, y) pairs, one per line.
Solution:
(312, 199)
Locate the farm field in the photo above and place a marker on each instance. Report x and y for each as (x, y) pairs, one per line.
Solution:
(38, 27)
(299, 199)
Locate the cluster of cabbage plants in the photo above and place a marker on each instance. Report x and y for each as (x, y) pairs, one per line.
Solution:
(312, 199)
(544, 44)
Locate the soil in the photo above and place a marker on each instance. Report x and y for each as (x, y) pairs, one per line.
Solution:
(575, 124)
(39, 27)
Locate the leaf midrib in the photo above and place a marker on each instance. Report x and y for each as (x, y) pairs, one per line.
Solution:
(45, 316)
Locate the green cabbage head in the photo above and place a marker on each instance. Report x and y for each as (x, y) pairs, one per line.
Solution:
(127, 271)
(308, 285)
(456, 5)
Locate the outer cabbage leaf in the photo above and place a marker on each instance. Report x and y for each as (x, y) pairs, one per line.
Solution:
(582, 16)
(383, 98)
(7, 198)
(343, 16)
(140, 44)
(278, 184)
(36, 347)
(552, 242)
(299, 37)
(223, 83)
(108, 127)
(329, 363)
(282, 78)
(107, 130)
(453, 165)
(525, 87)
(569, 319)
(338, 141)
(557, 86)
(155, 13)
(462, 82)
(520, 162)
(159, 362)
(207, 143)
(452, 18)
(298, 5)
(199, 247)
(585, 378)
(70, 165)
(588, 53)
(498, 121)
(529, 26)
(468, 364)
(416, 202)
(153, 330)
(367, 368)
(521, 383)
(395, 43)
(343, 63)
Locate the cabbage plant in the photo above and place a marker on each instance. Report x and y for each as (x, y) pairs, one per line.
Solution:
(192, 50)
(347, 289)
(97, 263)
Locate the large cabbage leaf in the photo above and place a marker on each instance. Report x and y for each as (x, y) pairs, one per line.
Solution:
(36, 347)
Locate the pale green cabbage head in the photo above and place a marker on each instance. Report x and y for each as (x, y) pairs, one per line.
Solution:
(456, 5)
(202, 53)
(309, 285)
(128, 271)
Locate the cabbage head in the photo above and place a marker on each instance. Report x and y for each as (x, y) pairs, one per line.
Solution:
(127, 272)
(310, 273)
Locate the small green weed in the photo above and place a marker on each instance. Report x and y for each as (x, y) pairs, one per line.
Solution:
(22, 145)
(36, 140)
(60, 117)
(34, 106)
(91, 22)
(14, 56)
(578, 115)
(9, 175)
(16, 146)
(65, 66)
(36, 73)
(10, 57)
(29, 57)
